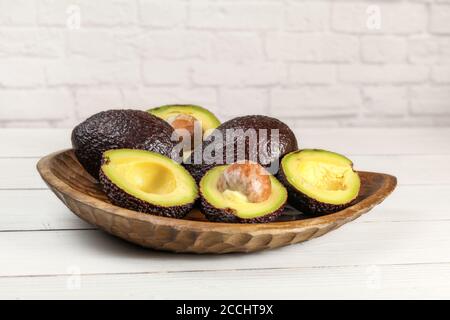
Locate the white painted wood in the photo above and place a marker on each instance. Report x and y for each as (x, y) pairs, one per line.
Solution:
(51, 253)
(399, 250)
(377, 141)
(417, 281)
(413, 169)
(409, 169)
(33, 142)
(413, 203)
(42, 210)
(35, 210)
(350, 141)
(20, 174)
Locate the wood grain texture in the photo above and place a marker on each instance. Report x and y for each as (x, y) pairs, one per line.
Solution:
(32, 142)
(400, 250)
(82, 195)
(35, 210)
(20, 174)
(411, 281)
(31, 253)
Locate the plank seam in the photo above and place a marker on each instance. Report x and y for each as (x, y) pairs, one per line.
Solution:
(93, 274)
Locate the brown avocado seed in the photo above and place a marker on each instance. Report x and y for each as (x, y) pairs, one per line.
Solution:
(183, 121)
(248, 178)
(185, 124)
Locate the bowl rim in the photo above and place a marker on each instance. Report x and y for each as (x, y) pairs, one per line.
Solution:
(44, 169)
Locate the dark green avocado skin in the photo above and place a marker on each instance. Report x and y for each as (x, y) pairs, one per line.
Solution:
(122, 199)
(287, 143)
(308, 205)
(117, 129)
(214, 214)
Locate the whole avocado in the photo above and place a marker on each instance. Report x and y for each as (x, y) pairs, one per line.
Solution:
(117, 129)
(264, 154)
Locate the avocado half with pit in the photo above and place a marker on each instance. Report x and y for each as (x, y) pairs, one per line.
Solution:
(183, 115)
(191, 124)
(319, 181)
(223, 203)
(147, 182)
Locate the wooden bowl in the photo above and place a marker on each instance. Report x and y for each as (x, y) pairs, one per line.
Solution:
(83, 196)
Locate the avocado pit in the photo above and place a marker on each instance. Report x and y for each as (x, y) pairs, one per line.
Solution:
(183, 122)
(248, 182)
(190, 122)
(186, 127)
(242, 192)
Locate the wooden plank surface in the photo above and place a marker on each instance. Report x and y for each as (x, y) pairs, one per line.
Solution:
(377, 141)
(419, 281)
(35, 210)
(52, 252)
(351, 141)
(413, 203)
(20, 173)
(399, 250)
(26, 143)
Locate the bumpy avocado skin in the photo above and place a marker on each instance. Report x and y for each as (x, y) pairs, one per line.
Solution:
(287, 142)
(122, 199)
(214, 214)
(308, 205)
(117, 129)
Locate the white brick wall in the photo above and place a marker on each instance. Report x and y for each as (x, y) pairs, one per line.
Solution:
(308, 62)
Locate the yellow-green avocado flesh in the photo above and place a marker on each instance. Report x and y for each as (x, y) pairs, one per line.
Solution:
(232, 206)
(207, 119)
(147, 182)
(319, 181)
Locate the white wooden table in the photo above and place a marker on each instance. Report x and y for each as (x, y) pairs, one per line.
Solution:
(401, 249)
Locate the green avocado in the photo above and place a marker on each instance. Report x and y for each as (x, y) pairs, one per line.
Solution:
(233, 206)
(147, 182)
(116, 129)
(267, 152)
(319, 181)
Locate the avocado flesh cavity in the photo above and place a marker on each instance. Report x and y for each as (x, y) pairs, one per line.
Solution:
(319, 181)
(147, 182)
(208, 120)
(235, 196)
(233, 206)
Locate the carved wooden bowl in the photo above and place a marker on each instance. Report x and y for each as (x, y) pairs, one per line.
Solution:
(83, 196)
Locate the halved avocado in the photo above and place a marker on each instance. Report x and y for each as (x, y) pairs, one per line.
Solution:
(147, 182)
(207, 119)
(319, 181)
(233, 206)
